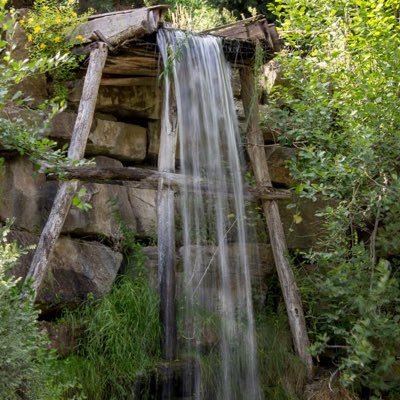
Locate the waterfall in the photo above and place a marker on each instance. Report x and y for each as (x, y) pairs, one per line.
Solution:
(214, 297)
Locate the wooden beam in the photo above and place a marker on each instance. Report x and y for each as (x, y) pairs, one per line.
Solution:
(67, 190)
(166, 226)
(271, 211)
(150, 179)
(120, 26)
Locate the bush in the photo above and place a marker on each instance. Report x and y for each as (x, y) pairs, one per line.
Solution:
(25, 362)
(340, 109)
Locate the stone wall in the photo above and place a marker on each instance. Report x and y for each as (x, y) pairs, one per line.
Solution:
(125, 132)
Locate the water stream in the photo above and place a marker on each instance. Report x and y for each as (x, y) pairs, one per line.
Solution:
(214, 299)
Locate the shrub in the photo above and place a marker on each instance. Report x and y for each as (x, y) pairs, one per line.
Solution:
(49, 27)
(25, 362)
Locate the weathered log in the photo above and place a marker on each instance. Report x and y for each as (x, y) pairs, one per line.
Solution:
(66, 191)
(150, 179)
(270, 207)
(120, 26)
(166, 227)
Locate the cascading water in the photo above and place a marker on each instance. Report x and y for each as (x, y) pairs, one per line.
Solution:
(215, 297)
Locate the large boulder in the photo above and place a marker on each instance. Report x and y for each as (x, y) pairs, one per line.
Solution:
(107, 137)
(76, 269)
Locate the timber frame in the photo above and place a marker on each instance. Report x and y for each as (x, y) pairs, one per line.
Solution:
(123, 52)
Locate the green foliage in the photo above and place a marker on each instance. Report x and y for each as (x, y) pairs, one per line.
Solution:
(340, 108)
(49, 27)
(243, 7)
(355, 316)
(197, 15)
(26, 136)
(26, 364)
(20, 338)
(121, 339)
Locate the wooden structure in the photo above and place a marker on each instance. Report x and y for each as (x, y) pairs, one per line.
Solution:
(130, 38)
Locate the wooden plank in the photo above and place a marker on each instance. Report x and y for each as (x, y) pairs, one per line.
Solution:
(118, 27)
(270, 208)
(62, 203)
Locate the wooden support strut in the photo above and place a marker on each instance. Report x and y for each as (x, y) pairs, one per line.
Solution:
(67, 190)
(270, 207)
(166, 229)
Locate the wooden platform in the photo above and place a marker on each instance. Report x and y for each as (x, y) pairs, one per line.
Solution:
(131, 39)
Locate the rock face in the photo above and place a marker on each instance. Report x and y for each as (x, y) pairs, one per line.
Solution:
(306, 233)
(277, 157)
(77, 268)
(136, 101)
(111, 138)
(28, 198)
(20, 188)
(135, 206)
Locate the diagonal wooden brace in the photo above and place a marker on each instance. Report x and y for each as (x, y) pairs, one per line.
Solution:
(271, 211)
(67, 190)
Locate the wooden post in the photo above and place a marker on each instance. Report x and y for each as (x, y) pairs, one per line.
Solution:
(255, 148)
(166, 227)
(67, 190)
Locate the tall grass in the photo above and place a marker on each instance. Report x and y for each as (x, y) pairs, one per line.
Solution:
(121, 340)
(282, 374)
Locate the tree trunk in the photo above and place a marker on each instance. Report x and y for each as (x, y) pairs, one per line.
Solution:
(67, 190)
(270, 207)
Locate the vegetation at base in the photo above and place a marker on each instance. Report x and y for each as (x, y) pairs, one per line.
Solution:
(121, 333)
(27, 366)
(20, 336)
(282, 374)
(340, 108)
